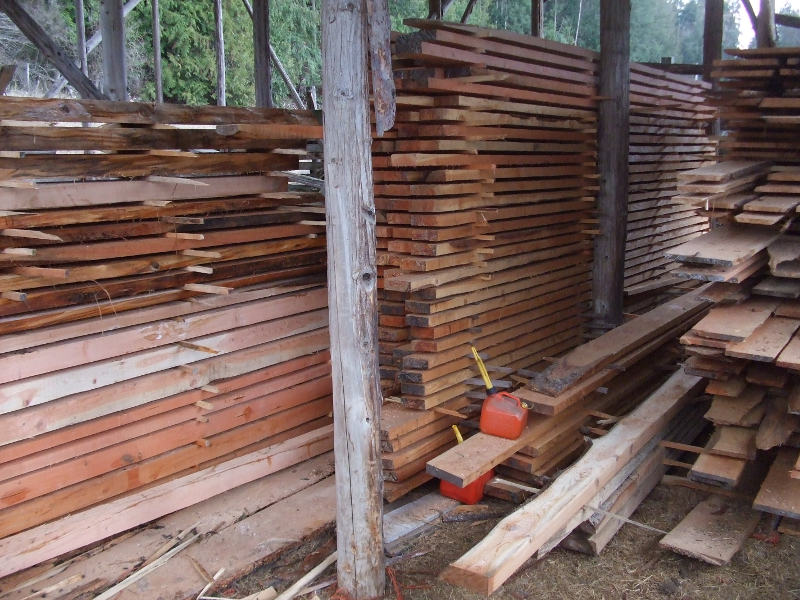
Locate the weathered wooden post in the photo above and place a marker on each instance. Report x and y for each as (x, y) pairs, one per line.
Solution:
(712, 35)
(115, 67)
(219, 47)
(537, 17)
(612, 162)
(352, 283)
(157, 51)
(765, 31)
(262, 67)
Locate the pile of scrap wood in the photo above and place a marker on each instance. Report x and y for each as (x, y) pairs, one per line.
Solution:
(593, 386)
(163, 311)
(748, 346)
(616, 470)
(484, 194)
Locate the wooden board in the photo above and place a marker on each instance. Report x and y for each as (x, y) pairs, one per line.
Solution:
(487, 565)
(767, 340)
(713, 531)
(725, 246)
(75, 531)
(780, 493)
(736, 322)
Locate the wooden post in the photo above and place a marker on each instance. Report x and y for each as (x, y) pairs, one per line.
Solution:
(219, 46)
(352, 284)
(80, 22)
(765, 32)
(92, 43)
(115, 68)
(157, 51)
(712, 36)
(537, 17)
(52, 51)
(263, 70)
(276, 62)
(612, 163)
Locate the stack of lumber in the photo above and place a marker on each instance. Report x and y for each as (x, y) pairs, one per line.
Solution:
(669, 134)
(748, 351)
(163, 303)
(722, 190)
(482, 192)
(601, 379)
(760, 106)
(577, 493)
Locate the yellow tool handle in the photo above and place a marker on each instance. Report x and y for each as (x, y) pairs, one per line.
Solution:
(482, 369)
(459, 437)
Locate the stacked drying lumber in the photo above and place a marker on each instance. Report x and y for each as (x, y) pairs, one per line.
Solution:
(585, 383)
(482, 194)
(721, 190)
(669, 121)
(152, 326)
(574, 496)
(760, 106)
(747, 348)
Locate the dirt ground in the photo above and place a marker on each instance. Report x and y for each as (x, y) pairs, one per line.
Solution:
(631, 567)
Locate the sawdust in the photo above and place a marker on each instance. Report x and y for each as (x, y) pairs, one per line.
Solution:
(632, 566)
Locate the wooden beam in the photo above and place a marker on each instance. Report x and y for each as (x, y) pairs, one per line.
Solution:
(80, 23)
(765, 31)
(52, 51)
(219, 47)
(468, 10)
(712, 36)
(751, 14)
(537, 17)
(276, 62)
(787, 20)
(115, 67)
(519, 536)
(157, 51)
(352, 297)
(380, 55)
(612, 162)
(92, 43)
(263, 70)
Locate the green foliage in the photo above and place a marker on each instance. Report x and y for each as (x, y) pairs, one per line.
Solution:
(658, 28)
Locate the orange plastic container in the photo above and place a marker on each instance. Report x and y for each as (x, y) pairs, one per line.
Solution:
(503, 415)
(470, 493)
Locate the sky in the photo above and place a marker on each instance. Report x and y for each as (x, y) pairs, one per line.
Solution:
(745, 29)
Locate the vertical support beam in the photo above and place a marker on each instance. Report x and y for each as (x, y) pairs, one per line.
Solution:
(219, 46)
(712, 35)
(115, 68)
(537, 17)
(765, 32)
(80, 22)
(612, 162)
(352, 297)
(263, 70)
(157, 51)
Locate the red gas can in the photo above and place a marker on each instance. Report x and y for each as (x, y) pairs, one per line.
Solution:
(503, 415)
(470, 493)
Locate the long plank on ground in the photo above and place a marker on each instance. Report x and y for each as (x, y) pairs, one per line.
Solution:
(517, 537)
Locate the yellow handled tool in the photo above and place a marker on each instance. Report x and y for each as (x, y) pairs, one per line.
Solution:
(484, 373)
